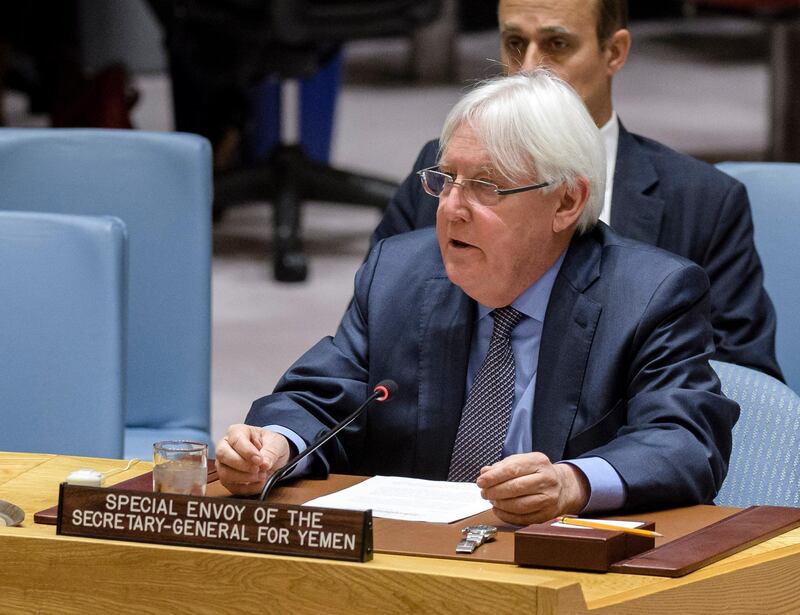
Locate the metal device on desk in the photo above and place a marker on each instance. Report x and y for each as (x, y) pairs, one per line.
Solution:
(474, 537)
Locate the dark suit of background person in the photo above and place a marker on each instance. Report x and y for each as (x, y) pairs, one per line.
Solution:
(659, 196)
(623, 370)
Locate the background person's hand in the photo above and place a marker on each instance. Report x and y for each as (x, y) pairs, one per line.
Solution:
(527, 488)
(247, 456)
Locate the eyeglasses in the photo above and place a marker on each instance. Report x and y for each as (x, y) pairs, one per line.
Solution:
(475, 191)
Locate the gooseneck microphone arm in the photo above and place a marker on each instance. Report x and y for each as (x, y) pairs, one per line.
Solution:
(382, 392)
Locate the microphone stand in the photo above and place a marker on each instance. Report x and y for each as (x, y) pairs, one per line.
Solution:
(380, 393)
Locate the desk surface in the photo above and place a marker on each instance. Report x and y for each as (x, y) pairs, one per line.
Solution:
(44, 572)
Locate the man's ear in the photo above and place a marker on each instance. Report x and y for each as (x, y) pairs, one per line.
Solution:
(572, 203)
(616, 49)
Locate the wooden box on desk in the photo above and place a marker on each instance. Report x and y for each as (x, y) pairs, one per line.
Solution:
(546, 545)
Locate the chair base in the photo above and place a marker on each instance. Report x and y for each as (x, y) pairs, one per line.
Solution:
(287, 178)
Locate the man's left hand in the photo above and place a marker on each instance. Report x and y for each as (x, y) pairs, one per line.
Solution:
(527, 488)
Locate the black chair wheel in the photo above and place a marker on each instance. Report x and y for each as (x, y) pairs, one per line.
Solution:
(291, 267)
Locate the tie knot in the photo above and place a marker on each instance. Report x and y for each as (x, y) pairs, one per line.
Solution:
(505, 319)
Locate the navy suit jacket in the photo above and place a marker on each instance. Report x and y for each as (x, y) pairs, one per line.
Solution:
(674, 202)
(623, 371)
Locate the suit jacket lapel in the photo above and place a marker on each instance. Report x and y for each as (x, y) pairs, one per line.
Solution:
(569, 326)
(445, 332)
(635, 211)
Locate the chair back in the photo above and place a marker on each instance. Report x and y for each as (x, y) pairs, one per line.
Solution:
(774, 191)
(765, 462)
(298, 22)
(62, 339)
(286, 38)
(160, 185)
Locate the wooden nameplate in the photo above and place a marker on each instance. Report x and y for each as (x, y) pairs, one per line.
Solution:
(217, 523)
(546, 545)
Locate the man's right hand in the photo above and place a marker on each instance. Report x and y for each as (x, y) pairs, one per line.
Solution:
(247, 456)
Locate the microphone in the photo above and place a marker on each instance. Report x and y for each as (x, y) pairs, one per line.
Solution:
(384, 390)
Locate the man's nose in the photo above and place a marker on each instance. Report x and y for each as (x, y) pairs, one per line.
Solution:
(533, 58)
(453, 203)
(526, 59)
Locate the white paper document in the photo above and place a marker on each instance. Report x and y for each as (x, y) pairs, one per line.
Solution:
(409, 499)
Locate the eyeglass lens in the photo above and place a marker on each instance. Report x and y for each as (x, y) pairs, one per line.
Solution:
(476, 192)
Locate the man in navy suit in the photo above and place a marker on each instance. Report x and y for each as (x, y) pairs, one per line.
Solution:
(606, 367)
(657, 195)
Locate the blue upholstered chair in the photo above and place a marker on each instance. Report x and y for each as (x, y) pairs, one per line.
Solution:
(774, 190)
(62, 338)
(765, 463)
(160, 185)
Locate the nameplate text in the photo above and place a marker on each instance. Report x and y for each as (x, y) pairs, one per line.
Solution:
(214, 522)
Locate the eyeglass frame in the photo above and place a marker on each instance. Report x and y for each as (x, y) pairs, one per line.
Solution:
(497, 190)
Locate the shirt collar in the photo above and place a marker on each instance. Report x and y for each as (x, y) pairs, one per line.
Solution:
(534, 299)
(610, 135)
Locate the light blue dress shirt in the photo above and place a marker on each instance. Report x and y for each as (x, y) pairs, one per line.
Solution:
(607, 488)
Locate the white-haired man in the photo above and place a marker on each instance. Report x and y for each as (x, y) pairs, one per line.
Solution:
(522, 333)
(653, 193)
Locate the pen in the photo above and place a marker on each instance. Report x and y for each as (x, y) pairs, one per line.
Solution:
(599, 525)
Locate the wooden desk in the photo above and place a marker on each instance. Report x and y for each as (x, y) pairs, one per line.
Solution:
(42, 572)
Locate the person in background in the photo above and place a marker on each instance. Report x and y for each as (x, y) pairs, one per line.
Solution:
(653, 194)
(562, 367)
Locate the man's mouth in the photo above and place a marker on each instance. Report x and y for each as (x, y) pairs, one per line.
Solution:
(460, 244)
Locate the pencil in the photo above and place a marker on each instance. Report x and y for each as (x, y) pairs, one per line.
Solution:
(599, 525)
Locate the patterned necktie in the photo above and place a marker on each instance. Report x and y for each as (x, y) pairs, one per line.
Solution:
(484, 420)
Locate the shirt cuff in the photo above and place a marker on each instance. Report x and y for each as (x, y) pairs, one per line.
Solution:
(301, 468)
(607, 488)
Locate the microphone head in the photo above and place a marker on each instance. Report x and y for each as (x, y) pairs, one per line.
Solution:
(386, 388)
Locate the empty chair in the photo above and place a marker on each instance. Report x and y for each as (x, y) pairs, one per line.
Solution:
(282, 40)
(765, 462)
(62, 336)
(774, 190)
(159, 184)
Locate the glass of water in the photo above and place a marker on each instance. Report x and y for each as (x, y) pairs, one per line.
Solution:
(180, 466)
